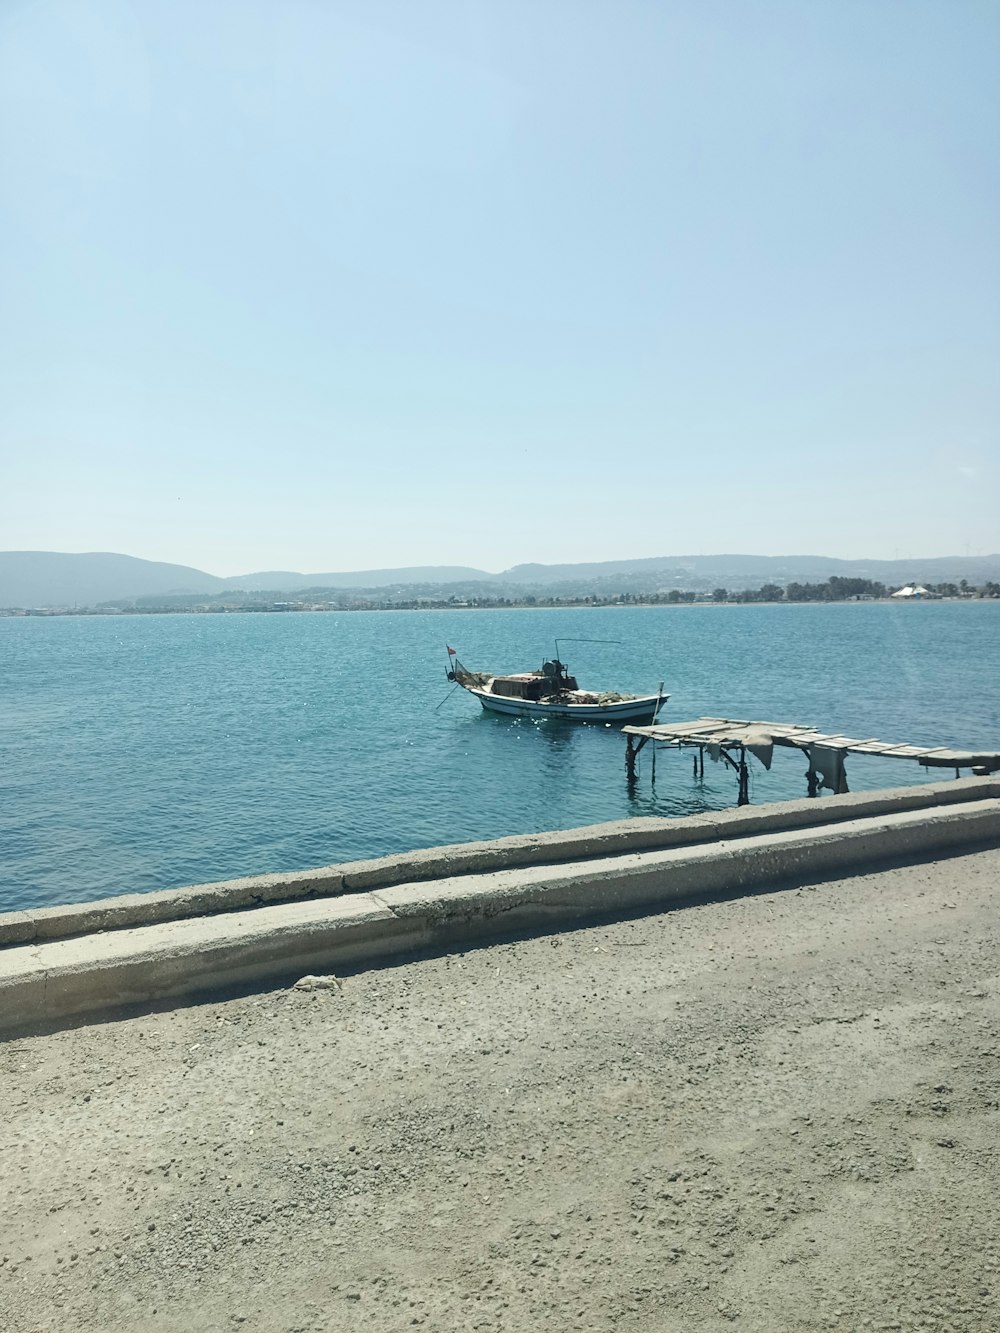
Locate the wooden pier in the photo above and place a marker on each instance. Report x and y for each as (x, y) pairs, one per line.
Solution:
(731, 740)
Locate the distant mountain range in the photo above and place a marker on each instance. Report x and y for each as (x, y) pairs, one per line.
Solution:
(30, 579)
(51, 578)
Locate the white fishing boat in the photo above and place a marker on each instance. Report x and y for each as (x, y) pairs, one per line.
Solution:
(553, 692)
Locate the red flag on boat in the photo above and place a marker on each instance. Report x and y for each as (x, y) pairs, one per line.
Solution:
(451, 652)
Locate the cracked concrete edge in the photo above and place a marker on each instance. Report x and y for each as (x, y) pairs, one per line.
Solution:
(65, 979)
(619, 837)
(645, 834)
(142, 909)
(537, 895)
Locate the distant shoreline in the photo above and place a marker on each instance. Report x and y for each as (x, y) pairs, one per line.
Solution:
(45, 613)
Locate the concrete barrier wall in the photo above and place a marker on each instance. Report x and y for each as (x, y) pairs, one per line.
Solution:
(618, 838)
(56, 980)
(527, 898)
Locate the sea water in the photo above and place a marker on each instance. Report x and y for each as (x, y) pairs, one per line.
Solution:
(148, 752)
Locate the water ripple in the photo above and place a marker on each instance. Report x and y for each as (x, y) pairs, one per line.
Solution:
(157, 751)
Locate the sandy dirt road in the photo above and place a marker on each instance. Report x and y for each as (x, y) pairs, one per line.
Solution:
(777, 1112)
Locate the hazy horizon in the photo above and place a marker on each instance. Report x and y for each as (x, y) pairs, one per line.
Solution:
(358, 286)
(328, 568)
(619, 560)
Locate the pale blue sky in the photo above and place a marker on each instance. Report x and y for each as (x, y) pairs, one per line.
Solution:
(327, 285)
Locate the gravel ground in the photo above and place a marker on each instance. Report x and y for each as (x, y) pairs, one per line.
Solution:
(777, 1112)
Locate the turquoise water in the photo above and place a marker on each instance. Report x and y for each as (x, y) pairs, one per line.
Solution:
(156, 751)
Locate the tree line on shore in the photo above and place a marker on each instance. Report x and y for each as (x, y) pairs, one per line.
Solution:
(835, 589)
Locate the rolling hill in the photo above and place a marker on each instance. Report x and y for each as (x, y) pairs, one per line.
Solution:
(52, 579)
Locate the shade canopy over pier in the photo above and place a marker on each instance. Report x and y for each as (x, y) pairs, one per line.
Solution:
(731, 739)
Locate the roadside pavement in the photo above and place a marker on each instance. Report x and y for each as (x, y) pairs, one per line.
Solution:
(775, 1112)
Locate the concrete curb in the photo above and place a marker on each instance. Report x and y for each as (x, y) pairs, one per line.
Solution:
(46, 983)
(597, 840)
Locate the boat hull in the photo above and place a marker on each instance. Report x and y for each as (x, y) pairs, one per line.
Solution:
(624, 710)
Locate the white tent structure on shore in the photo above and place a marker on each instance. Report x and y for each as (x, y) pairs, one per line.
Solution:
(911, 590)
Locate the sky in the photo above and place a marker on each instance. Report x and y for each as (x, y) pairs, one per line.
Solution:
(317, 285)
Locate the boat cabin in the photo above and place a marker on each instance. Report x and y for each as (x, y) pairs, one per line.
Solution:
(535, 685)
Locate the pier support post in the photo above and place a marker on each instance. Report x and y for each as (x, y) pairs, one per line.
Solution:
(630, 758)
(744, 796)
